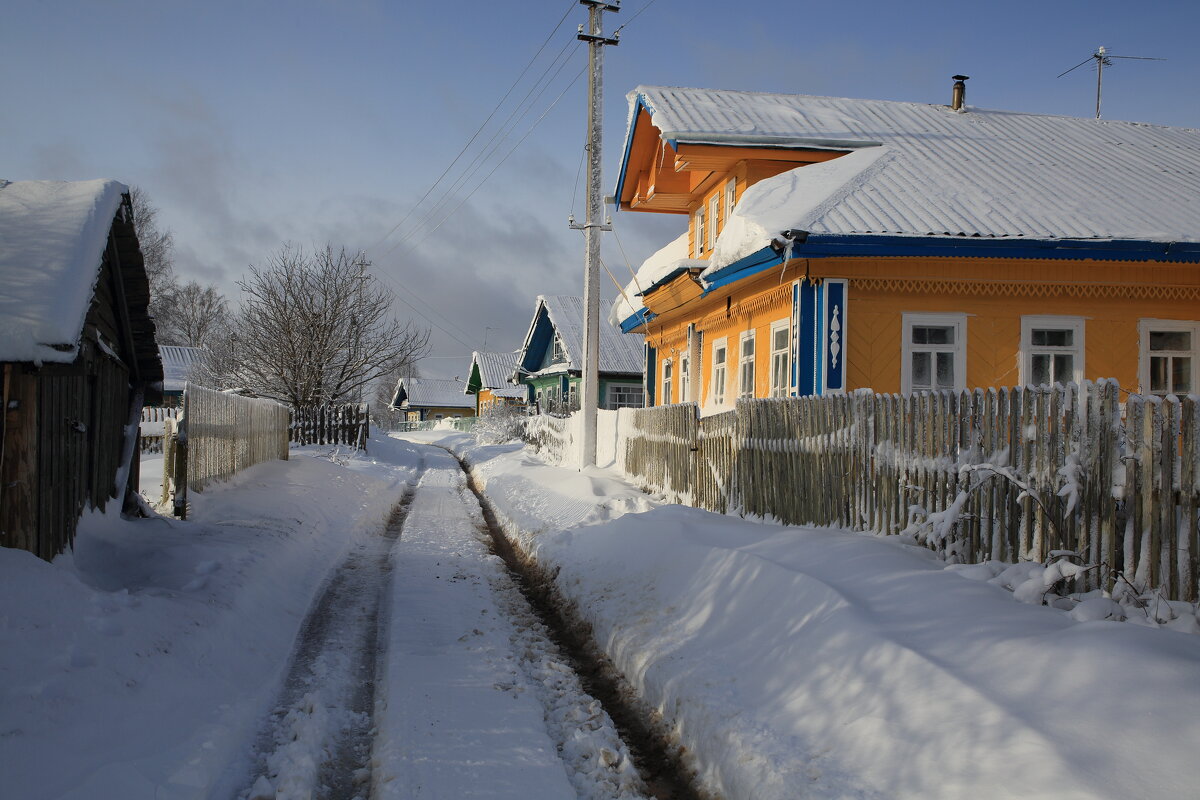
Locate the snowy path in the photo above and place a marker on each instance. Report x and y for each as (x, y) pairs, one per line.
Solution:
(317, 742)
(478, 702)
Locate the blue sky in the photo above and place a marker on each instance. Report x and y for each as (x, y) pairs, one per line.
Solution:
(254, 123)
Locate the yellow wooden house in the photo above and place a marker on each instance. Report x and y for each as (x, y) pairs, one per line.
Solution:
(835, 244)
(488, 380)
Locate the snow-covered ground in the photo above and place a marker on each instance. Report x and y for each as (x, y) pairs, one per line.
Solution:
(798, 662)
(790, 662)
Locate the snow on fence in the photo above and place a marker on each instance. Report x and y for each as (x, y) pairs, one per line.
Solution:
(331, 424)
(1023, 474)
(218, 435)
(550, 435)
(150, 432)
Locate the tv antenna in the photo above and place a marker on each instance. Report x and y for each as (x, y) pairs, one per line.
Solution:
(1103, 59)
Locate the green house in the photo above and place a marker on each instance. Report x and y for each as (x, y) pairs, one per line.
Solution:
(550, 361)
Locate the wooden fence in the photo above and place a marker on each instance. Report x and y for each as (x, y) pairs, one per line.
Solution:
(151, 431)
(1024, 474)
(217, 436)
(332, 424)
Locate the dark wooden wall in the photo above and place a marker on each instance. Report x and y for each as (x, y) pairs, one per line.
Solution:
(64, 428)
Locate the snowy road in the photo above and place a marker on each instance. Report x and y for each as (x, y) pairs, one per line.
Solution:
(448, 688)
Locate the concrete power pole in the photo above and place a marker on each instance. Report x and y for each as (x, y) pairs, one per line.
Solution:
(590, 388)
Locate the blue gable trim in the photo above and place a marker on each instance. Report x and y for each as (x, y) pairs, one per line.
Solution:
(641, 103)
(825, 245)
(742, 268)
(541, 340)
(639, 318)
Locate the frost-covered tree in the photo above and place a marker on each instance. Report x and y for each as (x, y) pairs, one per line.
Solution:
(314, 328)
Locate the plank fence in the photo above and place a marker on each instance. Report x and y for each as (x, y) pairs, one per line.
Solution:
(348, 424)
(151, 429)
(1020, 474)
(217, 436)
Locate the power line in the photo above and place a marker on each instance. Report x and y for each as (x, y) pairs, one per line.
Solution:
(499, 163)
(474, 136)
(496, 141)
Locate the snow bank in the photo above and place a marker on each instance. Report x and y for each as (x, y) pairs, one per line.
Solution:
(822, 663)
(139, 665)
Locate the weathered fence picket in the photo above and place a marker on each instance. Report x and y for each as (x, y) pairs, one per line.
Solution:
(348, 424)
(1007, 474)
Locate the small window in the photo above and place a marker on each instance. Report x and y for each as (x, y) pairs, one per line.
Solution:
(933, 353)
(780, 358)
(720, 358)
(714, 204)
(1168, 355)
(626, 396)
(1051, 350)
(666, 382)
(685, 379)
(730, 198)
(699, 235)
(746, 365)
(558, 353)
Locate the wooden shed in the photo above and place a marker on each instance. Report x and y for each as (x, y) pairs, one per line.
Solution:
(78, 356)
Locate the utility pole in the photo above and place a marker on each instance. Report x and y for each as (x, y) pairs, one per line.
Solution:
(593, 224)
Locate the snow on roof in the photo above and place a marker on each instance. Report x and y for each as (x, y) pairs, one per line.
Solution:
(618, 352)
(979, 173)
(177, 362)
(654, 269)
(494, 369)
(53, 235)
(434, 393)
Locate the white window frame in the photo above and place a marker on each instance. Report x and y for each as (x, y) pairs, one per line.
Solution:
(714, 210)
(1051, 322)
(685, 365)
(745, 361)
(958, 321)
(719, 378)
(666, 381)
(1145, 326)
(699, 234)
(781, 390)
(730, 198)
(624, 388)
(558, 353)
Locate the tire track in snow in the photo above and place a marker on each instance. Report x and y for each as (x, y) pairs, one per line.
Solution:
(317, 742)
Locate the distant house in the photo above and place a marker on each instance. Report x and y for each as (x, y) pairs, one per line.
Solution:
(78, 354)
(550, 361)
(488, 380)
(177, 362)
(836, 243)
(426, 399)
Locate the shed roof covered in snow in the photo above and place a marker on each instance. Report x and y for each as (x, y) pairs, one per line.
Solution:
(927, 170)
(562, 315)
(53, 235)
(431, 393)
(177, 363)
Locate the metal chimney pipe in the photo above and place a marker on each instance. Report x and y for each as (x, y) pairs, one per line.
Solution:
(958, 94)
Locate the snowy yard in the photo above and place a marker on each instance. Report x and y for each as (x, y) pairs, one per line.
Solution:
(153, 661)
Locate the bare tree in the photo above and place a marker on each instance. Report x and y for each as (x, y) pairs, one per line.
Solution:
(158, 251)
(197, 314)
(316, 328)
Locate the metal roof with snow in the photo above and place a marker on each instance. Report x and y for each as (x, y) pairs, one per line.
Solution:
(493, 370)
(430, 393)
(619, 353)
(177, 363)
(942, 173)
